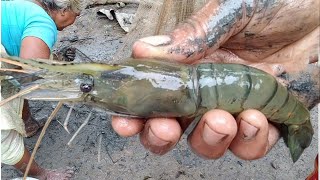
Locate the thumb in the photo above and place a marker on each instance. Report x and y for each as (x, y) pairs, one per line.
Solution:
(200, 35)
(169, 47)
(152, 47)
(186, 43)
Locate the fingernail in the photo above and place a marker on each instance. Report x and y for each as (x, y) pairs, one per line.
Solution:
(157, 40)
(153, 139)
(249, 131)
(211, 137)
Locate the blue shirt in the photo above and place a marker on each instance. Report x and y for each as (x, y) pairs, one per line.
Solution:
(20, 19)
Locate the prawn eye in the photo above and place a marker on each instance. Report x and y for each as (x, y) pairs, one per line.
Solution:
(85, 87)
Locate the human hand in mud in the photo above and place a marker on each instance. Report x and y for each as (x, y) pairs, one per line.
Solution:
(275, 36)
(66, 54)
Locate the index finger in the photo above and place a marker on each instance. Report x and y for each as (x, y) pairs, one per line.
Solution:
(127, 127)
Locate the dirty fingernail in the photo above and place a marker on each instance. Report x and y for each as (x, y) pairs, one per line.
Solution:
(249, 131)
(156, 40)
(211, 137)
(153, 139)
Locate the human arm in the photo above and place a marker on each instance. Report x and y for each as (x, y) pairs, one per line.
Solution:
(34, 47)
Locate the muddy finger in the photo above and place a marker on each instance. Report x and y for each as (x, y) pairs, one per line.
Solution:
(160, 135)
(213, 134)
(253, 140)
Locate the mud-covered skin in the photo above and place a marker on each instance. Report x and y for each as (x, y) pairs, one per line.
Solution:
(305, 85)
(251, 30)
(275, 24)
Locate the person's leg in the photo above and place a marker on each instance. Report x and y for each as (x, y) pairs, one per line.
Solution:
(35, 169)
(39, 172)
(31, 125)
(19, 105)
(14, 153)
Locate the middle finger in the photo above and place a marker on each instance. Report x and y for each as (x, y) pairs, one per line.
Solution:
(160, 135)
(213, 134)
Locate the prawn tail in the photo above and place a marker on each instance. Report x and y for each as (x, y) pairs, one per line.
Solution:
(297, 138)
(297, 130)
(256, 89)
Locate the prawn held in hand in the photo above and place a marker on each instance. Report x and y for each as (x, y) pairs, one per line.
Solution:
(149, 88)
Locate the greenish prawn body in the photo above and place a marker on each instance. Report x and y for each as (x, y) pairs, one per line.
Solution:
(148, 88)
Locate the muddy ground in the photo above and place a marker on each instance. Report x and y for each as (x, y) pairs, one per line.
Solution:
(98, 153)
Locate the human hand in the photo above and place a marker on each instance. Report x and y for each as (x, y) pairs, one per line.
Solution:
(66, 54)
(260, 35)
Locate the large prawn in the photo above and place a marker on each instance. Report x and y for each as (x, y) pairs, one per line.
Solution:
(150, 88)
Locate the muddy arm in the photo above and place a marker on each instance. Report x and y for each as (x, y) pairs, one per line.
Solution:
(305, 85)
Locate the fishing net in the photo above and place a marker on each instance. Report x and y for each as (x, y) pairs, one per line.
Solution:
(156, 18)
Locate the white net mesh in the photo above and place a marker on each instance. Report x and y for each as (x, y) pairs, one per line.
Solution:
(155, 18)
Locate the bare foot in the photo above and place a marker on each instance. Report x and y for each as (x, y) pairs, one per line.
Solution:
(57, 174)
